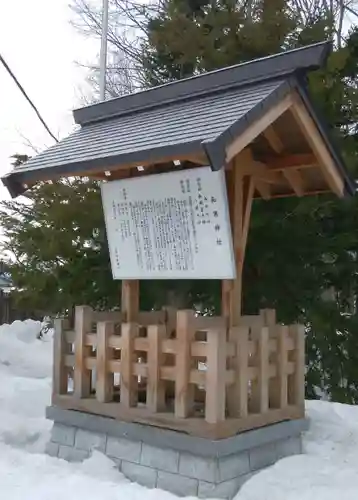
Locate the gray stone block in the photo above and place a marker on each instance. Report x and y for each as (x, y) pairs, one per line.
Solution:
(233, 466)
(51, 449)
(179, 485)
(289, 447)
(198, 467)
(225, 489)
(63, 434)
(165, 438)
(124, 449)
(262, 456)
(86, 440)
(140, 474)
(160, 458)
(72, 454)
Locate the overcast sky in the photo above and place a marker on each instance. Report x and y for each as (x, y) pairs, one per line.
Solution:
(41, 48)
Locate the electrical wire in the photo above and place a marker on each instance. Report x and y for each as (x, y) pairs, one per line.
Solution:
(6, 66)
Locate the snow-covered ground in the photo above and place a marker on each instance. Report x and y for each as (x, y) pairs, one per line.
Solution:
(328, 470)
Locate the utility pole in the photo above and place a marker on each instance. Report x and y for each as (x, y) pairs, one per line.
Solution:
(103, 55)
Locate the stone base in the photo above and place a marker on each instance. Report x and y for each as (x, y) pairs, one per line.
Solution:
(172, 461)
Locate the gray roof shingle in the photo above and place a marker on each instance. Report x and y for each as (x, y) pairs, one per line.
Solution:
(182, 118)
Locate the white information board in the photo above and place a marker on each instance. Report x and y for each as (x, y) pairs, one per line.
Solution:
(169, 226)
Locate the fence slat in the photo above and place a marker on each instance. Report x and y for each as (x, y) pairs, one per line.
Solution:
(82, 376)
(260, 388)
(238, 392)
(279, 384)
(297, 379)
(155, 386)
(215, 376)
(184, 394)
(60, 371)
(104, 382)
(128, 382)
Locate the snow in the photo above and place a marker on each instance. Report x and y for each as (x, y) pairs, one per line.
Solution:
(328, 469)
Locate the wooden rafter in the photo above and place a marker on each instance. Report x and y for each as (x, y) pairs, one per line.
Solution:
(295, 180)
(273, 139)
(264, 189)
(318, 146)
(257, 128)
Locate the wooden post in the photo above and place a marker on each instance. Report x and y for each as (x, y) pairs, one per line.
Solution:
(129, 382)
(240, 196)
(82, 376)
(215, 376)
(183, 392)
(297, 380)
(60, 372)
(155, 386)
(260, 388)
(130, 300)
(238, 402)
(104, 385)
(279, 384)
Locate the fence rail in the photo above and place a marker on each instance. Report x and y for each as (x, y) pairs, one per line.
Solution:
(176, 368)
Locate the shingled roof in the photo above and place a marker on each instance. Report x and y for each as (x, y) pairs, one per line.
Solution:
(199, 115)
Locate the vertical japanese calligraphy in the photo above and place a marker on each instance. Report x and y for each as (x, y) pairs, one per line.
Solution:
(169, 226)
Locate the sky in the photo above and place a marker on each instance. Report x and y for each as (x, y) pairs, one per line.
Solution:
(41, 47)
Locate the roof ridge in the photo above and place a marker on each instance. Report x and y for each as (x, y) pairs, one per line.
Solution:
(291, 61)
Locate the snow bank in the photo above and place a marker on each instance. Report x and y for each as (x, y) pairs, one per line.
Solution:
(328, 469)
(25, 385)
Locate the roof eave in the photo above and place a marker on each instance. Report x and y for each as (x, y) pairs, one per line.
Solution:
(17, 180)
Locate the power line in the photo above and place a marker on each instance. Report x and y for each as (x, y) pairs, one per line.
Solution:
(6, 66)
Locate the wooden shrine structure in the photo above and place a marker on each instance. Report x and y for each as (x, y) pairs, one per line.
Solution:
(206, 376)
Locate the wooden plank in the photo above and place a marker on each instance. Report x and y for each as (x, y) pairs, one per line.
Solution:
(279, 384)
(91, 340)
(296, 388)
(260, 389)
(206, 322)
(115, 341)
(115, 316)
(285, 162)
(82, 376)
(256, 128)
(104, 382)
(114, 366)
(60, 372)
(183, 393)
(295, 180)
(142, 344)
(151, 318)
(264, 189)
(238, 394)
(273, 139)
(155, 386)
(130, 300)
(169, 346)
(316, 142)
(129, 382)
(215, 399)
(70, 336)
(191, 426)
(268, 316)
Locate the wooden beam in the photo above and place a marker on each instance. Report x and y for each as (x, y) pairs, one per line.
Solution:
(295, 180)
(264, 189)
(259, 171)
(273, 139)
(256, 128)
(316, 142)
(240, 193)
(291, 161)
